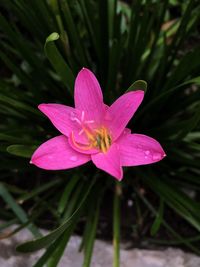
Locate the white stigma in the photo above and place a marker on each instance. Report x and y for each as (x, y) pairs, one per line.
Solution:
(81, 121)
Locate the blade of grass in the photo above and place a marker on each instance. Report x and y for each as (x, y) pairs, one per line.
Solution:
(116, 225)
(40, 243)
(58, 62)
(166, 225)
(19, 212)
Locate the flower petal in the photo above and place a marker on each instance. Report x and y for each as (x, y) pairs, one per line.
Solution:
(121, 111)
(109, 162)
(57, 154)
(63, 118)
(88, 95)
(138, 149)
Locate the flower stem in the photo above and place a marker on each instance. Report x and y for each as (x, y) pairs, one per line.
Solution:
(116, 225)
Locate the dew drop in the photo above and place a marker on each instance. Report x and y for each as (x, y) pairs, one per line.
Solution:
(73, 158)
(156, 156)
(145, 157)
(126, 131)
(147, 152)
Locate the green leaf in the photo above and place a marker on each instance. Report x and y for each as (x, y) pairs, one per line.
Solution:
(138, 85)
(90, 230)
(58, 62)
(166, 225)
(39, 190)
(158, 220)
(48, 253)
(45, 241)
(73, 33)
(19, 212)
(116, 224)
(21, 150)
(66, 193)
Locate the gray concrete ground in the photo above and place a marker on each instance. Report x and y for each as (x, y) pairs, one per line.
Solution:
(102, 255)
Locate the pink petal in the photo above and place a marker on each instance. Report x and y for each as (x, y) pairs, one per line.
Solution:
(88, 95)
(109, 162)
(62, 118)
(138, 149)
(57, 154)
(121, 111)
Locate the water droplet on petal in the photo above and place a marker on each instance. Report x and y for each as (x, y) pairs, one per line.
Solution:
(156, 156)
(73, 158)
(126, 131)
(145, 157)
(147, 152)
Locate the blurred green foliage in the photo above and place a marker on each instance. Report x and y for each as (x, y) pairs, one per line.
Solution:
(44, 43)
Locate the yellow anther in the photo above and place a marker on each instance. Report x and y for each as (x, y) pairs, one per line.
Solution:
(89, 134)
(103, 147)
(99, 138)
(103, 139)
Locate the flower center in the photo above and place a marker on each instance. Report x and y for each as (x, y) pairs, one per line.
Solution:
(98, 138)
(102, 139)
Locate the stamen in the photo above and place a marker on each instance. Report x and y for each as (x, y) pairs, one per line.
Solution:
(88, 122)
(103, 147)
(81, 131)
(82, 115)
(76, 119)
(82, 147)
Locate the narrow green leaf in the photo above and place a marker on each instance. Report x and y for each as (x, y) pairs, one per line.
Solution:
(112, 7)
(19, 212)
(89, 237)
(166, 225)
(73, 33)
(45, 241)
(21, 150)
(9, 138)
(59, 250)
(116, 225)
(58, 62)
(48, 253)
(18, 104)
(66, 193)
(158, 220)
(38, 190)
(138, 85)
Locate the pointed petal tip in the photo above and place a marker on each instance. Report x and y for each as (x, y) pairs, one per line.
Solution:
(84, 70)
(42, 106)
(119, 178)
(137, 92)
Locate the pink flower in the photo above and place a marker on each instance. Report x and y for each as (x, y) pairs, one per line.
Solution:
(94, 131)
